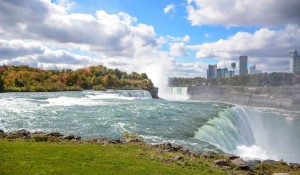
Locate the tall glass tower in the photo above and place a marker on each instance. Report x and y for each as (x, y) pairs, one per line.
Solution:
(243, 65)
(295, 62)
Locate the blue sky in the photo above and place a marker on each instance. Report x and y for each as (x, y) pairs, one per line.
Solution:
(164, 38)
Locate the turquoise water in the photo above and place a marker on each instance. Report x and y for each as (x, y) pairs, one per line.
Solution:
(249, 132)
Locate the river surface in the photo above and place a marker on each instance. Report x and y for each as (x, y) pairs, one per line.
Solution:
(247, 131)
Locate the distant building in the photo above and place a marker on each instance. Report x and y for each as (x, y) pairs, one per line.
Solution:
(233, 66)
(254, 71)
(221, 72)
(229, 74)
(295, 62)
(243, 65)
(212, 71)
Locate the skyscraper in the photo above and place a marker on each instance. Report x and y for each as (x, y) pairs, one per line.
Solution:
(295, 62)
(253, 70)
(212, 71)
(243, 65)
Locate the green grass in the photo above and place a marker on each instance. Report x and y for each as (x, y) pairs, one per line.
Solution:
(21, 157)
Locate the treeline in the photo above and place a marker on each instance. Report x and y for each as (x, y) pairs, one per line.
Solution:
(255, 80)
(29, 79)
(181, 82)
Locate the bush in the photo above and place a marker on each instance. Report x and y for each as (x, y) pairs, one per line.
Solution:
(99, 88)
(128, 135)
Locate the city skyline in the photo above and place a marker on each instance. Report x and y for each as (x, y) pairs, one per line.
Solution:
(214, 72)
(176, 38)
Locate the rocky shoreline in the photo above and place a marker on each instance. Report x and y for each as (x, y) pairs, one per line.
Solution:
(225, 161)
(271, 97)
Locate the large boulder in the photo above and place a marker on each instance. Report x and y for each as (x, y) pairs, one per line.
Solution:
(55, 134)
(240, 164)
(40, 137)
(230, 156)
(68, 137)
(20, 133)
(221, 162)
(209, 154)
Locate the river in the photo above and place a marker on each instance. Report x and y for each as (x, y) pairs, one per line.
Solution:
(250, 132)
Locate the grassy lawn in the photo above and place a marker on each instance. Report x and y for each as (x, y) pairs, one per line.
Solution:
(21, 157)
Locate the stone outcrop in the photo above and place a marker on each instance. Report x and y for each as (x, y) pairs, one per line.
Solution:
(240, 163)
(275, 97)
(38, 136)
(221, 162)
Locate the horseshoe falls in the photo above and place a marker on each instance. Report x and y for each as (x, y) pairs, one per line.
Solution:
(250, 132)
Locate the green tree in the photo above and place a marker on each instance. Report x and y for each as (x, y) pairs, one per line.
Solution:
(1, 85)
(110, 80)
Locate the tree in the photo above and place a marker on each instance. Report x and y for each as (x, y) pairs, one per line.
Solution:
(144, 76)
(110, 80)
(1, 85)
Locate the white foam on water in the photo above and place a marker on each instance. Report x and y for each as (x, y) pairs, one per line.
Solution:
(71, 101)
(17, 105)
(108, 96)
(253, 152)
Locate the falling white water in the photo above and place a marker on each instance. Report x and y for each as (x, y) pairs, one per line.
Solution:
(174, 93)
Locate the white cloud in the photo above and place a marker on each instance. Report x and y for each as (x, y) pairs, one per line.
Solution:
(16, 48)
(66, 4)
(177, 49)
(243, 12)
(118, 40)
(197, 69)
(112, 34)
(169, 8)
(33, 53)
(267, 48)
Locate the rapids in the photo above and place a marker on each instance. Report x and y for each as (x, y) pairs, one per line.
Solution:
(247, 131)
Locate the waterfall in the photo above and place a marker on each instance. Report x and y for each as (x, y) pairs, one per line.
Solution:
(254, 133)
(174, 93)
(135, 93)
(230, 129)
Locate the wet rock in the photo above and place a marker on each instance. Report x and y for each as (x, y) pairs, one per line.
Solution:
(184, 151)
(221, 162)
(20, 133)
(240, 164)
(230, 156)
(209, 154)
(191, 154)
(176, 148)
(78, 138)
(40, 137)
(55, 134)
(68, 137)
(295, 165)
(167, 147)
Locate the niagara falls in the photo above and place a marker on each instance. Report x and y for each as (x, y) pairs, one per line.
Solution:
(250, 132)
(139, 87)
